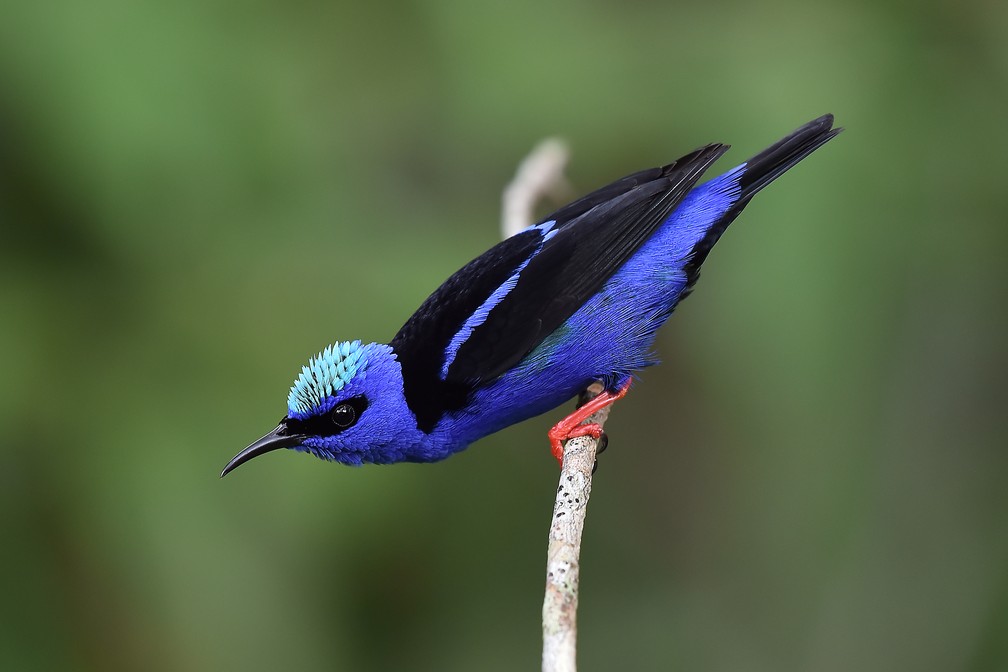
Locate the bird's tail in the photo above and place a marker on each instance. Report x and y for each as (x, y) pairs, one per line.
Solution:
(775, 160)
(753, 175)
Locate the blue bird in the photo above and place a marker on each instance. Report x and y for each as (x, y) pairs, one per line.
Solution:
(531, 322)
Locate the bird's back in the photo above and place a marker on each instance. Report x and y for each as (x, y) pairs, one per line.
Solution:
(496, 310)
(610, 335)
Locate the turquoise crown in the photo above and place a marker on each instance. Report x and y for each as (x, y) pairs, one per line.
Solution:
(327, 372)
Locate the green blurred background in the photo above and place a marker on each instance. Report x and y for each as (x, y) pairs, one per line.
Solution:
(195, 196)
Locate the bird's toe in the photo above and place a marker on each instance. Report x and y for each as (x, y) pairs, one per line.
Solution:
(603, 443)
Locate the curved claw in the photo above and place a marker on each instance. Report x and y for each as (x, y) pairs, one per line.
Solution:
(570, 426)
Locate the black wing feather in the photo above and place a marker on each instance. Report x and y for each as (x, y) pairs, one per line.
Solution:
(573, 266)
(421, 343)
(594, 236)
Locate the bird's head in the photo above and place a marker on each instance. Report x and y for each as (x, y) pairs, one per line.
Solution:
(346, 405)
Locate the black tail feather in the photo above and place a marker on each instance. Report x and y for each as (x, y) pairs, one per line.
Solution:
(760, 171)
(776, 159)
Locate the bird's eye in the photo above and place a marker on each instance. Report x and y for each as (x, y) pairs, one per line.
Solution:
(344, 415)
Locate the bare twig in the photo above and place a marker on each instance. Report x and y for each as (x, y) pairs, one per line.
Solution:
(563, 567)
(541, 174)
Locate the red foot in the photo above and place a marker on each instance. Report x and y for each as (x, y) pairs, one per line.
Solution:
(571, 426)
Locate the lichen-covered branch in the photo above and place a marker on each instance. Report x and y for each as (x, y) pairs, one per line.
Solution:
(563, 564)
(539, 175)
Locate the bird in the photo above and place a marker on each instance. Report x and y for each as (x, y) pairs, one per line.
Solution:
(529, 324)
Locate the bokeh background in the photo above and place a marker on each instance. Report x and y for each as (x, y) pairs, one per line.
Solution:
(196, 195)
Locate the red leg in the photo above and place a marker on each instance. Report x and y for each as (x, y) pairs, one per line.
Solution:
(571, 426)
